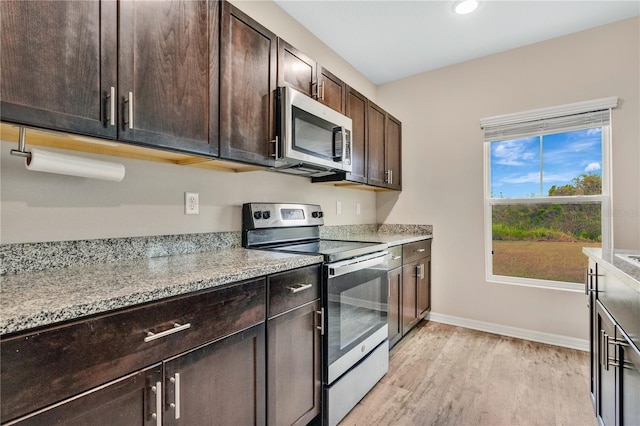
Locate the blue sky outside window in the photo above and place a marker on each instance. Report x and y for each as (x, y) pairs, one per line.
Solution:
(528, 167)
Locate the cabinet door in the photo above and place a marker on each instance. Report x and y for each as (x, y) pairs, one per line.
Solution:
(331, 90)
(248, 54)
(294, 382)
(131, 400)
(424, 286)
(409, 296)
(59, 64)
(395, 306)
(593, 331)
(375, 155)
(607, 372)
(167, 56)
(356, 110)
(222, 383)
(630, 399)
(295, 69)
(393, 153)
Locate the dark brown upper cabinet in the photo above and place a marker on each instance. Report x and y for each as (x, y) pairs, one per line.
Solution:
(384, 149)
(331, 90)
(299, 71)
(393, 152)
(247, 88)
(58, 65)
(295, 69)
(168, 74)
(356, 110)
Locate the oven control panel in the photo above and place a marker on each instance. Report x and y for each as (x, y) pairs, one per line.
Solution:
(280, 215)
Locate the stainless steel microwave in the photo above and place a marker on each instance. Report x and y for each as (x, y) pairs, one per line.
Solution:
(312, 139)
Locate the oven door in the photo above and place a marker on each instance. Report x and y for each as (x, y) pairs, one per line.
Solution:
(355, 306)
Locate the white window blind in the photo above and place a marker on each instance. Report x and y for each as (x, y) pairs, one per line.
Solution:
(582, 115)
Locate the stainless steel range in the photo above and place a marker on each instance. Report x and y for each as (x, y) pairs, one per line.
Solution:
(354, 298)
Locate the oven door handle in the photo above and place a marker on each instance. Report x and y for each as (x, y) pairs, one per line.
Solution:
(357, 264)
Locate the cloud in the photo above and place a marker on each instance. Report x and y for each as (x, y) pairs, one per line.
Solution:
(592, 167)
(513, 153)
(533, 177)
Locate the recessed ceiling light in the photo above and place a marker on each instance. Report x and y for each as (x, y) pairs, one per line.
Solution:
(466, 6)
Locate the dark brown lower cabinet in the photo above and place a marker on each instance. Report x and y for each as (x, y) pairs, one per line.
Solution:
(394, 312)
(410, 278)
(221, 383)
(618, 373)
(294, 382)
(129, 401)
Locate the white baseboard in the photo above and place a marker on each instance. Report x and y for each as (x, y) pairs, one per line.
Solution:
(520, 333)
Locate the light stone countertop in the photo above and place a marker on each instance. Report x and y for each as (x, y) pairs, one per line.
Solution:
(622, 269)
(39, 298)
(390, 239)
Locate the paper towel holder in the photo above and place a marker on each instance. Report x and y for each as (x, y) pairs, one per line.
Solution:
(21, 151)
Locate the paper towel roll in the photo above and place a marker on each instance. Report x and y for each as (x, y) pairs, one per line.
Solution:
(53, 162)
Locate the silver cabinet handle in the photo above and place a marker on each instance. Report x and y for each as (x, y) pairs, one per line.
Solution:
(605, 349)
(176, 328)
(176, 405)
(321, 326)
(299, 287)
(321, 90)
(395, 257)
(157, 416)
(390, 177)
(275, 147)
(419, 250)
(587, 282)
(111, 111)
(129, 102)
(420, 271)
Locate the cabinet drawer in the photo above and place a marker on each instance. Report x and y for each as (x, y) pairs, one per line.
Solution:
(46, 366)
(395, 259)
(293, 288)
(415, 251)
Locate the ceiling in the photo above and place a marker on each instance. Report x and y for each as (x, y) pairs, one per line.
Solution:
(388, 40)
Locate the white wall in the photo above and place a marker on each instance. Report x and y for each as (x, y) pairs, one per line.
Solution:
(37, 207)
(443, 162)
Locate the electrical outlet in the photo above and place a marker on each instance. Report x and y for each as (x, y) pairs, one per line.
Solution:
(338, 207)
(190, 203)
(357, 208)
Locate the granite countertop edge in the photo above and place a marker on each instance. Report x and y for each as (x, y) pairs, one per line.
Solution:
(36, 308)
(391, 239)
(627, 273)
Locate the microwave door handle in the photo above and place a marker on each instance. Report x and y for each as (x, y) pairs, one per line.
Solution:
(343, 133)
(336, 130)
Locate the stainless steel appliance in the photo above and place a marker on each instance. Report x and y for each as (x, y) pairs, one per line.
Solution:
(354, 298)
(312, 139)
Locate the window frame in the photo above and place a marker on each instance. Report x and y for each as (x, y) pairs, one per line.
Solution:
(606, 218)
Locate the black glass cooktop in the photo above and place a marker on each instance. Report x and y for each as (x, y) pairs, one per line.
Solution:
(333, 250)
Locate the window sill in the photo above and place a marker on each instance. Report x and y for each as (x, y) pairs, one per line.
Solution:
(544, 284)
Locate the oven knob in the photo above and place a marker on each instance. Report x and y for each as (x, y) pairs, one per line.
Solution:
(266, 214)
(315, 215)
(257, 215)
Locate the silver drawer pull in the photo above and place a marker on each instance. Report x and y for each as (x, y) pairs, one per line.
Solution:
(419, 250)
(395, 257)
(176, 328)
(299, 287)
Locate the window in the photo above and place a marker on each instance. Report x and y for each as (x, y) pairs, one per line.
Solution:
(547, 193)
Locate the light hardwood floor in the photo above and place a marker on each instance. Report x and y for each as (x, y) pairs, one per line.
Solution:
(446, 375)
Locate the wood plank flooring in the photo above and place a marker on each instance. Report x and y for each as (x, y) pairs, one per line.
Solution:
(446, 375)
